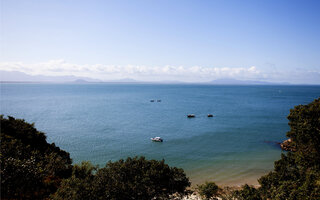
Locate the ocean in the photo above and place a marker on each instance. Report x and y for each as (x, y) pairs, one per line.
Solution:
(102, 122)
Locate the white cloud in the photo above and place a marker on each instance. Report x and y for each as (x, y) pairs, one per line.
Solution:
(150, 73)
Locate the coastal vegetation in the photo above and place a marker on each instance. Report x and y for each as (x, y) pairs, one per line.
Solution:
(31, 168)
(208, 190)
(297, 174)
(133, 178)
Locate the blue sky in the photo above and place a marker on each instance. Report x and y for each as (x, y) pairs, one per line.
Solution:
(163, 40)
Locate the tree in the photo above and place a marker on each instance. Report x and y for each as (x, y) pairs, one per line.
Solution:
(133, 178)
(79, 185)
(247, 193)
(208, 190)
(138, 178)
(304, 122)
(297, 174)
(31, 168)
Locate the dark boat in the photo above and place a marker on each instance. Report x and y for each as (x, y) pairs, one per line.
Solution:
(191, 116)
(210, 115)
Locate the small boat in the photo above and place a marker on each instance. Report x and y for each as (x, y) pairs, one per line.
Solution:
(151, 100)
(159, 100)
(191, 116)
(157, 139)
(210, 115)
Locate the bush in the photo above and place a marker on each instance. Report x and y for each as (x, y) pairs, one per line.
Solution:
(297, 174)
(247, 193)
(208, 190)
(79, 185)
(133, 178)
(30, 167)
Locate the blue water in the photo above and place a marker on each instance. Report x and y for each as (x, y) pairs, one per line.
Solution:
(102, 122)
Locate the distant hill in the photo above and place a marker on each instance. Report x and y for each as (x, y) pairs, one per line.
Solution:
(15, 76)
(243, 82)
(80, 81)
(125, 80)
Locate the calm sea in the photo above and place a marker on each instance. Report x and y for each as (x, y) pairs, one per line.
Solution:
(102, 122)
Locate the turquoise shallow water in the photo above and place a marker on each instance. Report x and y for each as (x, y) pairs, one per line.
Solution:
(102, 122)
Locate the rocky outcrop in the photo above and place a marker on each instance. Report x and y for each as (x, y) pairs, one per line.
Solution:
(287, 145)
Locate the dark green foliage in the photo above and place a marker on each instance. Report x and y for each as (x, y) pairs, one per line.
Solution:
(297, 174)
(79, 185)
(247, 193)
(138, 178)
(208, 190)
(30, 167)
(304, 121)
(133, 178)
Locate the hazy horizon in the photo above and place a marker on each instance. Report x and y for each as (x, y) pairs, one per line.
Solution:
(21, 77)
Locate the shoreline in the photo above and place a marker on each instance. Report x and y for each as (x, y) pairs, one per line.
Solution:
(234, 180)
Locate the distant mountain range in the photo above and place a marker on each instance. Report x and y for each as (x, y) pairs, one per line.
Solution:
(241, 82)
(15, 76)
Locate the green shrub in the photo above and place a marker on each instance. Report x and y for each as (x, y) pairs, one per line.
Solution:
(31, 168)
(208, 190)
(79, 185)
(297, 174)
(247, 193)
(133, 178)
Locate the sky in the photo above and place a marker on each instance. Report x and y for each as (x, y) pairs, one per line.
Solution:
(193, 41)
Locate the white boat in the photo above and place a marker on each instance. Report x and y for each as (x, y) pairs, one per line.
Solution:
(157, 139)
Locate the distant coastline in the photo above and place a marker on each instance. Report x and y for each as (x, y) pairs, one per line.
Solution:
(20, 77)
(156, 83)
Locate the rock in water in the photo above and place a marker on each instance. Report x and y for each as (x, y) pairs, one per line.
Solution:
(287, 145)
